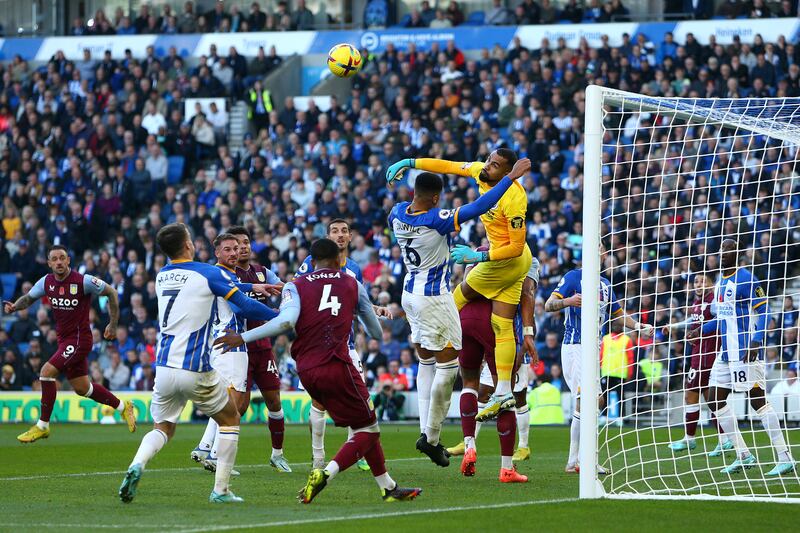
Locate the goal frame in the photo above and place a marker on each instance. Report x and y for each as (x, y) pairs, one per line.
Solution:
(590, 486)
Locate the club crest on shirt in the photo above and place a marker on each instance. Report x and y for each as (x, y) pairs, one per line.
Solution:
(517, 222)
(73, 289)
(260, 276)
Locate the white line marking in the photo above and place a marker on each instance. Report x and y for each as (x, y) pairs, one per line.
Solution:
(154, 470)
(376, 515)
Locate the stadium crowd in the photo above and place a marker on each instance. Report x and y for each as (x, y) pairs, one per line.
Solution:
(295, 15)
(84, 149)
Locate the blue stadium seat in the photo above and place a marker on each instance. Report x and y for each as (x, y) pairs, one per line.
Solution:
(9, 284)
(475, 18)
(403, 21)
(23, 348)
(175, 169)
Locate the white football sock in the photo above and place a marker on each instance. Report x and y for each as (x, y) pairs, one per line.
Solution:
(441, 392)
(209, 435)
(214, 447)
(385, 481)
(727, 422)
(425, 374)
(149, 447)
(469, 443)
(120, 407)
(523, 426)
(772, 425)
(503, 387)
(332, 469)
(507, 462)
(478, 425)
(41, 424)
(227, 444)
(574, 439)
(317, 420)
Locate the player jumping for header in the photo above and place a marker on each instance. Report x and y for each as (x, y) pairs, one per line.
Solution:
(321, 307)
(423, 234)
(70, 295)
(501, 271)
(740, 308)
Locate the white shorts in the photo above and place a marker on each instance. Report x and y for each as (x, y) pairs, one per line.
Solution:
(571, 367)
(175, 386)
(357, 363)
(738, 376)
(434, 321)
(231, 367)
(520, 378)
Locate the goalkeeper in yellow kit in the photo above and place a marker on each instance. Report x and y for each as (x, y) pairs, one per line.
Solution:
(502, 269)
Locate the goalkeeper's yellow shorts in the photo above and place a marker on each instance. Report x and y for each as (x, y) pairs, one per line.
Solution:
(501, 280)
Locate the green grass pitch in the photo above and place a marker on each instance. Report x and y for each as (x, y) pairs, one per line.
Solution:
(70, 482)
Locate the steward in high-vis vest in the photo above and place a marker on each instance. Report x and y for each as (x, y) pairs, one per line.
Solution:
(260, 102)
(545, 404)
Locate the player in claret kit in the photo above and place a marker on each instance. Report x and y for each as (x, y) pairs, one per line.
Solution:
(740, 309)
(70, 296)
(321, 307)
(188, 297)
(423, 234)
(704, 352)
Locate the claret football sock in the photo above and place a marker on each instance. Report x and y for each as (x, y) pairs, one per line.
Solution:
(276, 426)
(48, 398)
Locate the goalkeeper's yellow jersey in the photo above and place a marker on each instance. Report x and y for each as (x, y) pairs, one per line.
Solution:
(505, 222)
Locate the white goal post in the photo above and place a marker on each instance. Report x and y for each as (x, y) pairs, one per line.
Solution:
(674, 177)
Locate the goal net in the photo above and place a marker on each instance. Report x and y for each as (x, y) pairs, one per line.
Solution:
(666, 181)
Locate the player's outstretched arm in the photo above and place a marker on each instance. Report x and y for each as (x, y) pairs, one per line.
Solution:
(283, 322)
(396, 170)
(26, 300)
(366, 313)
(251, 309)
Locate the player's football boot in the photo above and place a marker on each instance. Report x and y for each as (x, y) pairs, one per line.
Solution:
(399, 494)
(363, 465)
(572, 468)
(468, 462)
(739, 464)
(33, 434)
(721, 448)
(210, 464)
(781, 469)
(129, 416)
(510, 475)
(495, 405)
(228, 497)
(458, 449)
(436, 453)
(521, 454)
(317, 480)
(683, 445)
(279, 463)
(127, 490)
(199, 455)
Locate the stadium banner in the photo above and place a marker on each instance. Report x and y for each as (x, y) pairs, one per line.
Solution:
(465, 37)
(70, 407)
(746, 29)
(73, 47)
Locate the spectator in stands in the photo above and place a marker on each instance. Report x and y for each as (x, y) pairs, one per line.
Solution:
(373, 360)
(547, 13)
(117, 374)
(427, 13)
(257, 19)
(9, 381)
(441, 21)
(499, 15)
(790, 386)
(393, 376)
(302, 18)
(572, 12)
(454, 13)
(389, 402)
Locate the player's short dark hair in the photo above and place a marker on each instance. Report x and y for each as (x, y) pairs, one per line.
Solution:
(509, 155)
(171, 238)
(337, 221)
(222, 237)
(57, 247)
(239, 230)
(428, 183)
(324, 250)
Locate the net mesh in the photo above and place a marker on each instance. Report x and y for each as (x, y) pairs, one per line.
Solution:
(678, 177)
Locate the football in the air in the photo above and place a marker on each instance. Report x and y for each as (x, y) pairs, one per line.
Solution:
(344, 60)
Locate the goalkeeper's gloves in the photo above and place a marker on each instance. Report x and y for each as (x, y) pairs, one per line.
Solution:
(464, 255)
(395, 172)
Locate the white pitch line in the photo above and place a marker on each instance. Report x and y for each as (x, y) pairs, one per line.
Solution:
(154, 470)
(376, 515)
(88, 526)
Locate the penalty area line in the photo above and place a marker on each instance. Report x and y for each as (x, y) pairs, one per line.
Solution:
(373, 516)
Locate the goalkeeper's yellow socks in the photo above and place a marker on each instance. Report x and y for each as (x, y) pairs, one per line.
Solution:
(505, 352)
